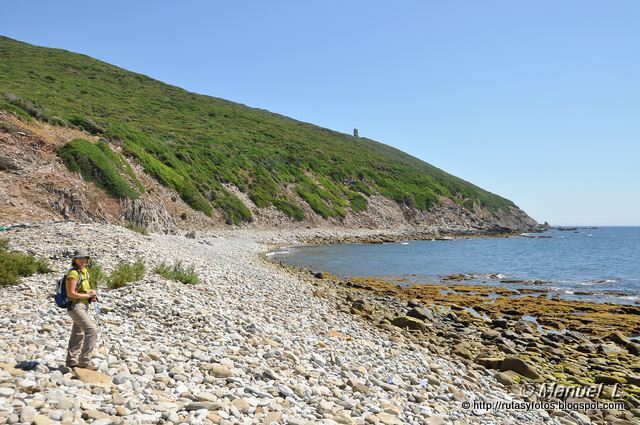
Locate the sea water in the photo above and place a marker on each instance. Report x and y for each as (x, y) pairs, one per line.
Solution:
(596, 264)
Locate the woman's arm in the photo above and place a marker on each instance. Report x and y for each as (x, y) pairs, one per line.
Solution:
(71, 291)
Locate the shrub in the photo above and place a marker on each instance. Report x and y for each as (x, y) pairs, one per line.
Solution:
(15, 264)
(58, 121)
(125, 273)
(19, 112)
(170, 177)
(86, 124)
(311, 193)
(178, 273)
(95, 165)
(97, 276)
(140, 229)
(27, 106)
(357, 201)
(289, 208)
(233, 210)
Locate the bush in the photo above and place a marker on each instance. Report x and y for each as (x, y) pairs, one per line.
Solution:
(140, 229)
(96, 275)
(125, 273)
(95, 165)
(289, 208)
(311, 193)
(15, 264)
(58, 121)
(169, 177)
(233, 210)
(178, 273)
(86, 124)
(357, 202)
(27, 106)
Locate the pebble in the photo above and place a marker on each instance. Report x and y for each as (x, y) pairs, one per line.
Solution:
(249, 344)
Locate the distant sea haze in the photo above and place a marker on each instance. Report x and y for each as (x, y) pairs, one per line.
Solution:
(600, 264)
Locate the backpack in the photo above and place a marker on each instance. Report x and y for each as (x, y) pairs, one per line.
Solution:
(61, 290)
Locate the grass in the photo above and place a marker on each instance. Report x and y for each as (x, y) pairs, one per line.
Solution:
(125, 273)
(15, 265)
(139, 229)
(196, 144)
(178, 273)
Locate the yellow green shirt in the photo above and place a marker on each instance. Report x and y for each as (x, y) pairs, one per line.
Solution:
(84, 287)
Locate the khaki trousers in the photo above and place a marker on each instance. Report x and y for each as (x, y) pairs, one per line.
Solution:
(83, 336)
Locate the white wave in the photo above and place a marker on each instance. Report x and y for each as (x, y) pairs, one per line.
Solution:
(269, 254)
(597, 282)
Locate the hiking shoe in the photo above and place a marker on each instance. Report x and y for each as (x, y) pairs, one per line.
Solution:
(88, 367)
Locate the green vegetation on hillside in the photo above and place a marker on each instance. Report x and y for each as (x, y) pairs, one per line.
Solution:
(196, 144)
(99, 164)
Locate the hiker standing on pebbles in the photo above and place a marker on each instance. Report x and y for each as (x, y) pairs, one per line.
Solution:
(79, 293)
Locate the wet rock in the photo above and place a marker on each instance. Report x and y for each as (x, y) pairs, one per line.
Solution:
(633, 348)
(609, 379)
(500, 323)
(618, 338)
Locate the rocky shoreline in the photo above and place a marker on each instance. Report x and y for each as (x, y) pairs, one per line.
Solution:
(528, 341)
(255, 342)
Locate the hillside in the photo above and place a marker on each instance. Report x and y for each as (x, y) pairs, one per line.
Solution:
(226, 161)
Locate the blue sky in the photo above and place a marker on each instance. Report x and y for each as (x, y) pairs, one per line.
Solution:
(538, 101)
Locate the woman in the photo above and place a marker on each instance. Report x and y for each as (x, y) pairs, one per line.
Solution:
(80, 294)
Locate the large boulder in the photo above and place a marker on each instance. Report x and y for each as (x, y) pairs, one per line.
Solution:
(490, 334)
(420, 313)
(462, 350)
(409, 323)
(520, 367)
(609, 379)
(633, 348)
(618, 338)
(504, 378)
(362, 306)
(500, 323)
(490, 362)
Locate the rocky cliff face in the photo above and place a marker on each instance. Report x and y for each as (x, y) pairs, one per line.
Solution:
(35, 185)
